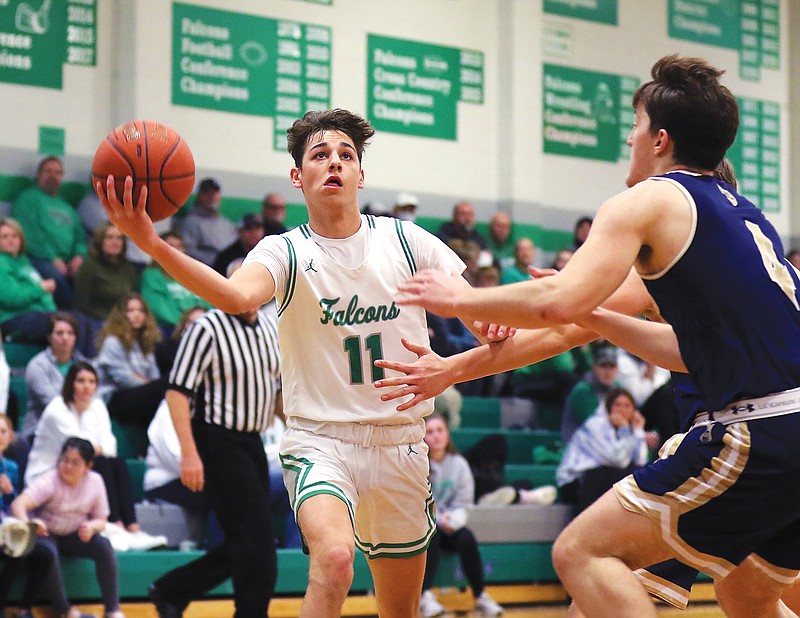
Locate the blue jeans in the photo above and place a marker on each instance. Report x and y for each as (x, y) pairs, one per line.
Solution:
(64, 294)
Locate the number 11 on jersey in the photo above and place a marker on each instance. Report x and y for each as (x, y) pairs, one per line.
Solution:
(372, 346)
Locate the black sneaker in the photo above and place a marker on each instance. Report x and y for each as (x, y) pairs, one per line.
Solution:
(164, 607)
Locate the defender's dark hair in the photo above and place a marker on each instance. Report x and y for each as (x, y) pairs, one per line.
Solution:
(313, 123)
(687, 100)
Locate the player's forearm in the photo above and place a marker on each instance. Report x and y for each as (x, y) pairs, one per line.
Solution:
(653, 342)
(531, 304)
(525, 348)
(200, 278)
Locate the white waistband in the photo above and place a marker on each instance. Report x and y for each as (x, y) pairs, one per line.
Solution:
(364, 434)
(776, 404)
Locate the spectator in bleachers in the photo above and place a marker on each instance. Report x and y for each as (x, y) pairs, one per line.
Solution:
(524, 255)
(487, 459)
(70, 506)
(250, 230)
(469, 252)
(453, 490)
(580, 233)
(79, 412)
(130, 382)
(405, 206)
(9, 471)
(26, 301)
(205, 230)
(102, 280)
(5, 382)
(501, 240)
(56, 240)
(44, 373)
(487, 277)
(39, 561)
(165, 297)
(587, 395)
(166, 349)
(162, 477)
(608, 446)
(548, 382)
(92, 214)
(462, 226)
(273, 212)
(561, 258)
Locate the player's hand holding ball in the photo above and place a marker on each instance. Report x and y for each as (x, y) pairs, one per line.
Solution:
(143, 171)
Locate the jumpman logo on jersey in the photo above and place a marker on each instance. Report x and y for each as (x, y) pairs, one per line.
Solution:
(411, 450)
(311, 267)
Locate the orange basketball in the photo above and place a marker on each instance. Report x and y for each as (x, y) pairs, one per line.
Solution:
(156, 157)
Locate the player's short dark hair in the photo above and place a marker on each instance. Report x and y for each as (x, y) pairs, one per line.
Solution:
(687, 100)
(315, 122)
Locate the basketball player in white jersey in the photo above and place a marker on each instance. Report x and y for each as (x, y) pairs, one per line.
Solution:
(356, 468)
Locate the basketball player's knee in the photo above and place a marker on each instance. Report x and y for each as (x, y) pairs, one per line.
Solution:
(743, 601)
(336, 566)
(567, 551)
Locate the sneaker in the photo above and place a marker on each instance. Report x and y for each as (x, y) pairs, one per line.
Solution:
(429, 606)
(487, 606)
(118, 537)
(502, 495)
(141, 541)
(115, 614)
(545, 494)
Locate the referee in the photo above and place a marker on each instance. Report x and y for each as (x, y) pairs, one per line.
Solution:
(223, 386)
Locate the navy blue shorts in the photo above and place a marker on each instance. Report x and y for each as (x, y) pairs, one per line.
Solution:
(671, 581)
(721, 492)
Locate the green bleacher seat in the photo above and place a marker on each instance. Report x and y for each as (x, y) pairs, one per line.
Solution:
(136, 468)
(481, 412)
(503, 563)
(131, 440)
(18, 354)
(520, 442)
(16, 385)
(537, 474)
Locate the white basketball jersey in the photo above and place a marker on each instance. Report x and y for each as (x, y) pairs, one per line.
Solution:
(334, 322)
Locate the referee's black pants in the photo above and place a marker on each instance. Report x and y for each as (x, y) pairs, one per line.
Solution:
(237, 484)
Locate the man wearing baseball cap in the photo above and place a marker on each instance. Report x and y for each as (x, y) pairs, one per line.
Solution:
(250, 230)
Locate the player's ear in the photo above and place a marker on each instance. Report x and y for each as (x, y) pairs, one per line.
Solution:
(662, 141)
(361, 180)
(297, 181)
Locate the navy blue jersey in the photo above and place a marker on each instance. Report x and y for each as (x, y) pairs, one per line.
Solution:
(731, 297)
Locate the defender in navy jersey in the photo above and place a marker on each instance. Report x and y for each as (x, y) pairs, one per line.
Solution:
(717, 272)
(356, 469)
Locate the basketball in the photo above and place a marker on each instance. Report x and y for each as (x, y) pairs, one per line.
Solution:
(156, 157)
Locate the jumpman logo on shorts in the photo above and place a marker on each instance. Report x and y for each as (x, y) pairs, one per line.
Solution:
(411, 450)
(310, 267)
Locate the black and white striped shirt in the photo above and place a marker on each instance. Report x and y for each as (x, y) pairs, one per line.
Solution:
(234, 366)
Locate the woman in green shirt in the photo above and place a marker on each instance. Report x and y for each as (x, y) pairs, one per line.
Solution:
(27, 300)
(166, 298)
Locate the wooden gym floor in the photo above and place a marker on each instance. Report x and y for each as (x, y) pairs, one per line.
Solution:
(524, 601)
